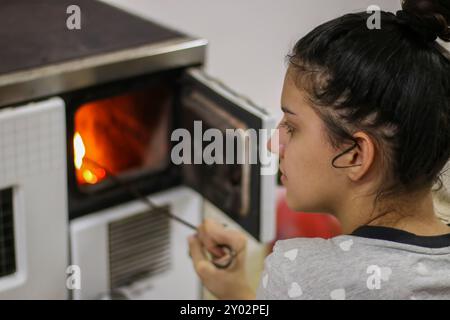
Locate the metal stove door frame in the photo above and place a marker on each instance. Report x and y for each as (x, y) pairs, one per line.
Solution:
(246, 112)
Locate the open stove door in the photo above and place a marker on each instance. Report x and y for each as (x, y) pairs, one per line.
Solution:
(222, 146)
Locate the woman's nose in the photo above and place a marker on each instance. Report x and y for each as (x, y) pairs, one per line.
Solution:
(274, 145)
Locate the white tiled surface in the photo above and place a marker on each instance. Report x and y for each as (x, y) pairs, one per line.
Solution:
(33, 164)
(29, 143)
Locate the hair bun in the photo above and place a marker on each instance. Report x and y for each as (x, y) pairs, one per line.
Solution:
(428, 18)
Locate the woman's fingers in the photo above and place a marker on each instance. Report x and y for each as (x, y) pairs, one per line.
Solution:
(204, 268)
(208, 241)
(211, 235)
(216, 233)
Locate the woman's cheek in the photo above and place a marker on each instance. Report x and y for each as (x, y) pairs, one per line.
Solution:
(291, 166)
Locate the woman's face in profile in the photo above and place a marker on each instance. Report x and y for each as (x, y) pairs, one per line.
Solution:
(312, 184)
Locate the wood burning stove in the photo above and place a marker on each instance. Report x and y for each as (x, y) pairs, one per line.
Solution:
(114, 93)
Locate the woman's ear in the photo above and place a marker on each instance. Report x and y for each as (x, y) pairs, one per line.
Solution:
(359, 159)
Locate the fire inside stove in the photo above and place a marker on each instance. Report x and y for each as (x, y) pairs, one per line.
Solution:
(122, 135)
(86, 172)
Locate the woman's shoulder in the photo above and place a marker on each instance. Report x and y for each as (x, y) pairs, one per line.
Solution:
(318, 257)
(352, 266)
(308, 255)
(315, 246)
(300, 267)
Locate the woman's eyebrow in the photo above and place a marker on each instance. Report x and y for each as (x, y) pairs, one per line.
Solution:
(286, 110)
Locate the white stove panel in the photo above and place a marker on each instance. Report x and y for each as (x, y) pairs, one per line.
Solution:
(33, 166)
(92, 252)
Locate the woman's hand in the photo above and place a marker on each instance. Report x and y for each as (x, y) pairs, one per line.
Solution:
(230, 283)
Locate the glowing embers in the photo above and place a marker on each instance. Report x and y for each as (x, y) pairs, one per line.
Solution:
(126, 135)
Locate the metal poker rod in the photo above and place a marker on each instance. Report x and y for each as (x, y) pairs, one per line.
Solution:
(228, 250)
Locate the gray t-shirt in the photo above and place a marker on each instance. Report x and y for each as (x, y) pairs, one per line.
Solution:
(371, 263)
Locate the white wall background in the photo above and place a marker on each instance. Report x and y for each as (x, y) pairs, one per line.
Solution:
(248, 39)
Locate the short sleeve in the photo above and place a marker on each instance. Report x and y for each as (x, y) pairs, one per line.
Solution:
(294, 270)
(272, 285)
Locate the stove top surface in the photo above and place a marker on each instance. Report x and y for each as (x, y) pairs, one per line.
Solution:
(35, 34)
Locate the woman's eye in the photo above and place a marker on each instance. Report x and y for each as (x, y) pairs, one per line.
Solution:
(289, 129)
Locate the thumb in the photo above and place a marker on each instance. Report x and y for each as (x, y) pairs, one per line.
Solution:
(219, 234)
(204, 268)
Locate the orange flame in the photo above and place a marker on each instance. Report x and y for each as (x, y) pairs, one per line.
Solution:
(79, 150)
(85, 172)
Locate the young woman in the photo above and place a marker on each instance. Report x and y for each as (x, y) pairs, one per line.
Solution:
(365, 136)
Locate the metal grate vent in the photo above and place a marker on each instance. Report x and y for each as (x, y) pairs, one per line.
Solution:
(7, 248)
(139, 247)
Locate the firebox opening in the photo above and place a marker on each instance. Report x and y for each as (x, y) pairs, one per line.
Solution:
(126, 134)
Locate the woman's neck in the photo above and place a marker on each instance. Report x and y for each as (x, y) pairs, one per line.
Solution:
(413, 214)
